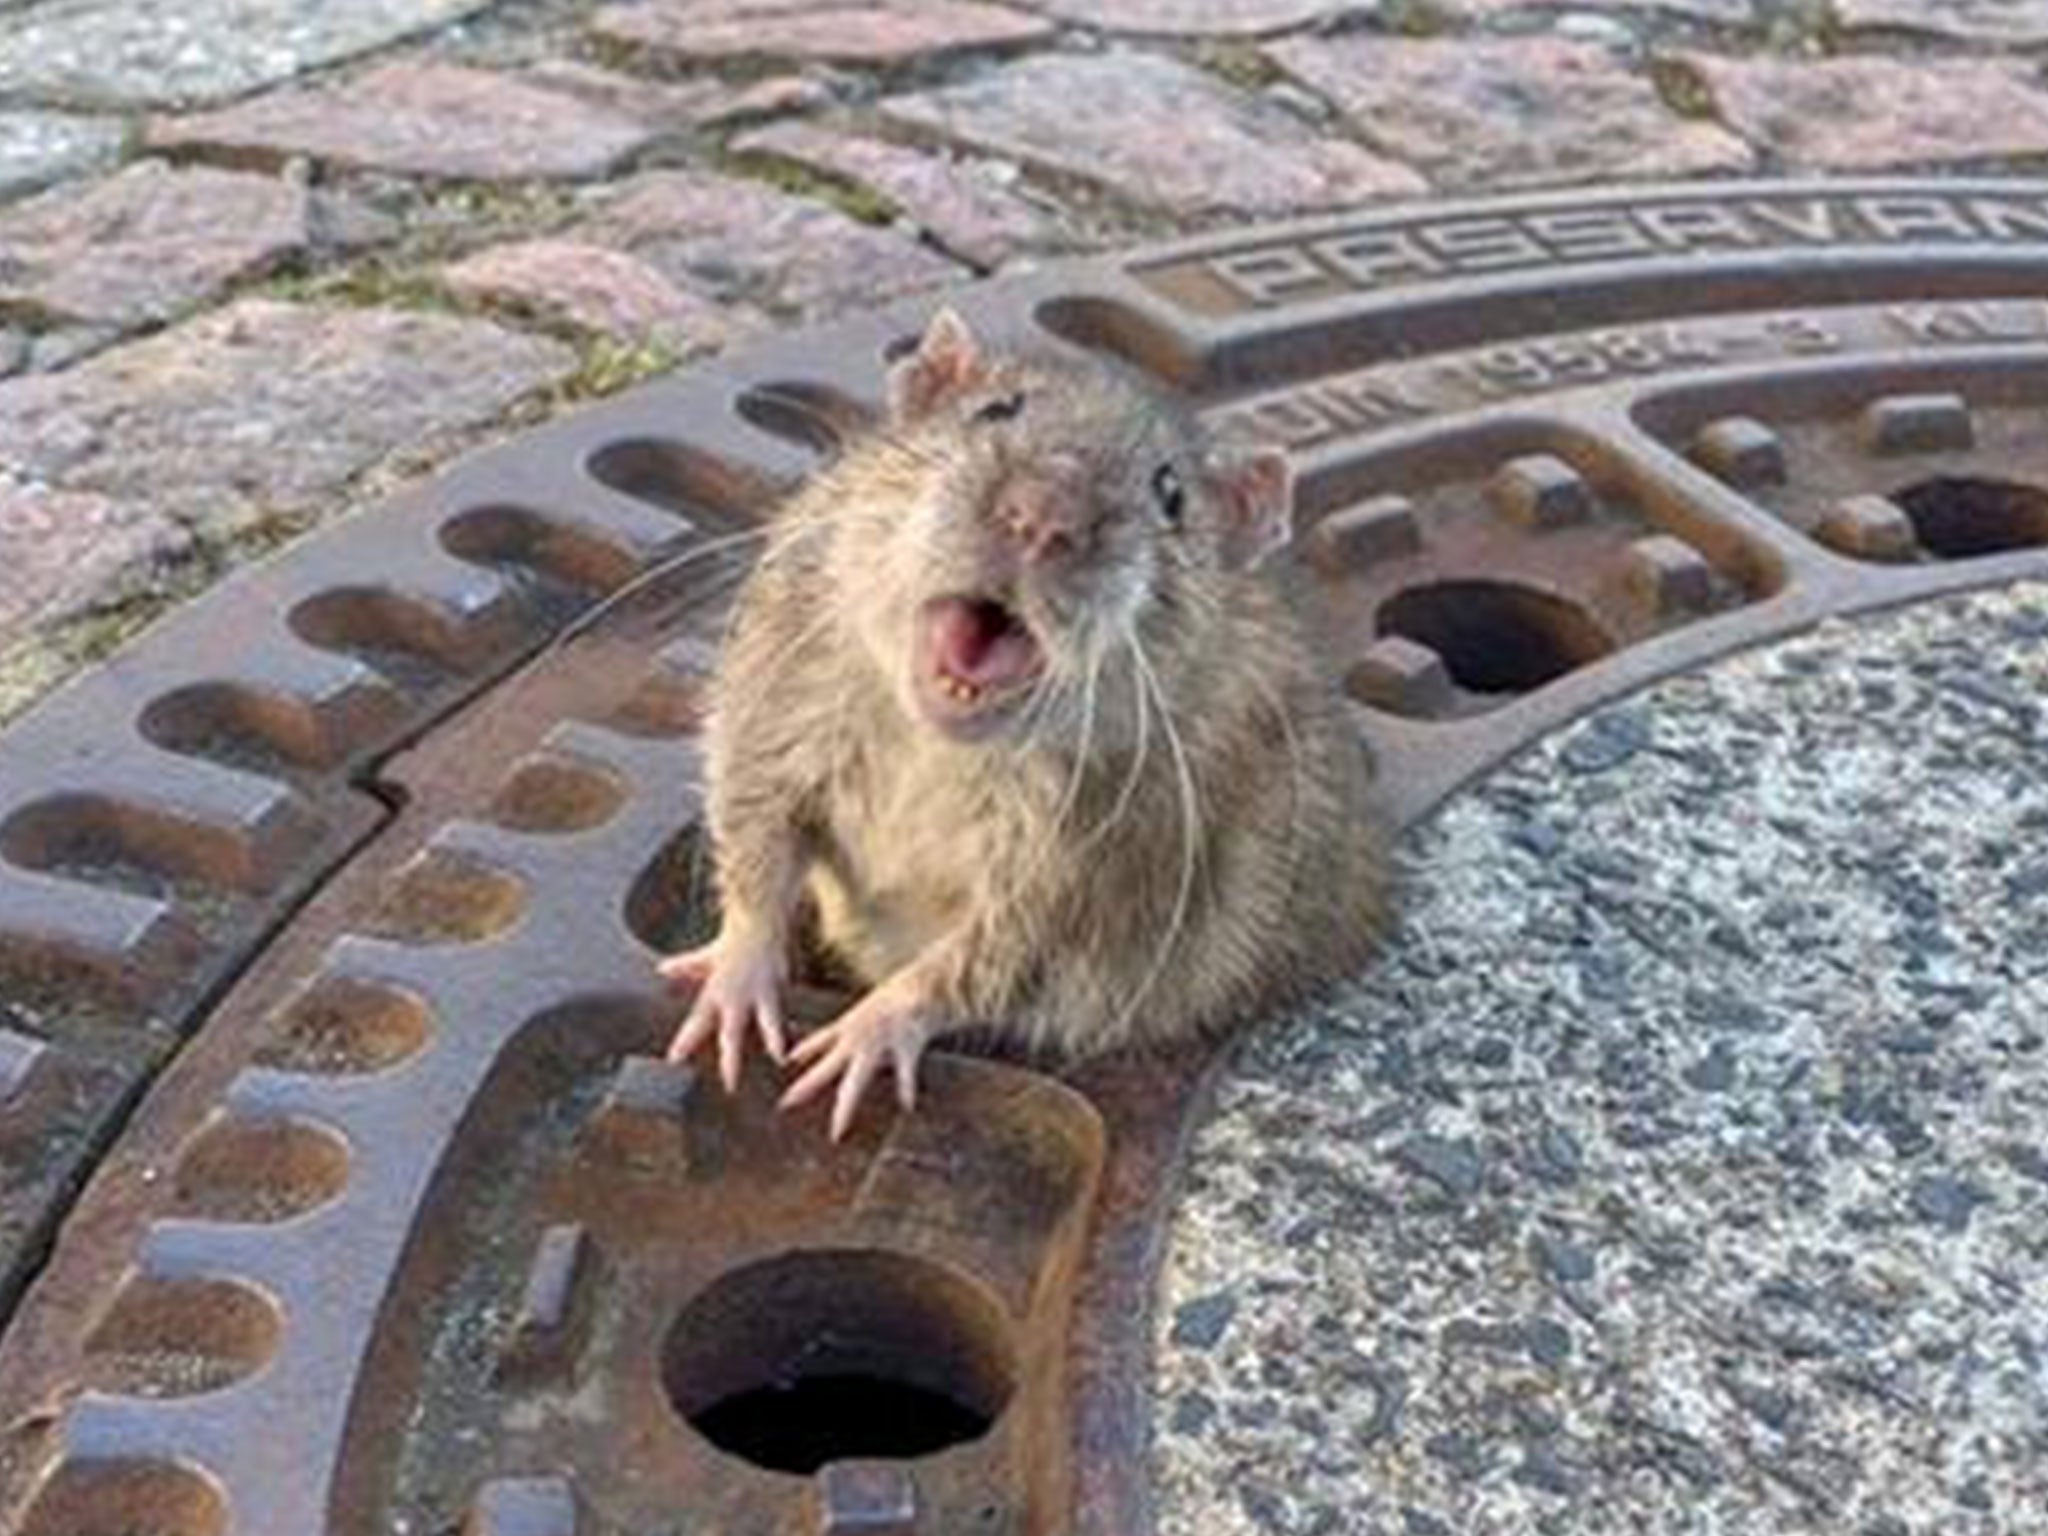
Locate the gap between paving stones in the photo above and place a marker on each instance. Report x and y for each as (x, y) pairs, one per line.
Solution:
(522, 287)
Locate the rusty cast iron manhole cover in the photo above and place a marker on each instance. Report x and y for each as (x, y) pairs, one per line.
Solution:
(413, 1234)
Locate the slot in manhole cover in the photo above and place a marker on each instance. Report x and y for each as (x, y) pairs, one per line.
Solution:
(416, 1235)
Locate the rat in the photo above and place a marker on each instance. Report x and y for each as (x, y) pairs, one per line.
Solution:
(1016, 720)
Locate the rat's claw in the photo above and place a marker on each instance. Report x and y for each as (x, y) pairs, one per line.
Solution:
(692, 968)
(811, 1047)
(739, 990)
(825, 1053)
(904, 1056)
(697, 1028)
(732, 1040)
(853, 1087)
(774, 1037)
(881, 1029)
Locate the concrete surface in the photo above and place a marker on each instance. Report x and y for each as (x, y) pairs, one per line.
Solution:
(1684, 1168)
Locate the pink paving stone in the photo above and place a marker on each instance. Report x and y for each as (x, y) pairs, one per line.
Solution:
(146, 243)
(740, 241)
(1862, 112)
(772, 97)
(1985, 21)
(264, 408)
(863, 32)
(63, 549)
(1213, 18)
(592, 287)
(961, 202)
(1729, 12)
(1508, 111)
(425, 119)
(1156, 130)
(664, 102)
(699, 103)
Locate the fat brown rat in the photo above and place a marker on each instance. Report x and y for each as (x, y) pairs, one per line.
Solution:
(1014, 704)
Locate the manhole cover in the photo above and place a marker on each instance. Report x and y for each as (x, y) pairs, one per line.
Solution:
(415, 1234)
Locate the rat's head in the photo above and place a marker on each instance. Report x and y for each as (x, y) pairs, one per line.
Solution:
(1035, 514)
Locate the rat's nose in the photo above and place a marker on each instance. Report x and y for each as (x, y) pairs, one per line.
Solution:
(1045, 520)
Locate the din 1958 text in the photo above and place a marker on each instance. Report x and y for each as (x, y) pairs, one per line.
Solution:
(1562, 361)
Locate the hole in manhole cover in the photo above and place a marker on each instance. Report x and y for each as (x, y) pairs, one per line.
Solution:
(256, 1172)
(1958, 518)
(240, 727)
(551, 794)
(839, 1355)
(342, 1027)
(811, 416)
(1494, 636)
(420, 1200)
(180, 1338)
(448, 898)
(525, 541)
(128, 1498)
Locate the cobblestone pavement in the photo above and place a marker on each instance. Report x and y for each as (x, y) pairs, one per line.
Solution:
(251, 225)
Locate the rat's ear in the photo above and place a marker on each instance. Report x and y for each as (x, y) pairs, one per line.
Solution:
(948, 360)
(1255, 488)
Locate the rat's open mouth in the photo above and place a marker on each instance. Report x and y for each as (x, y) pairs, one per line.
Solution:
(975, 652)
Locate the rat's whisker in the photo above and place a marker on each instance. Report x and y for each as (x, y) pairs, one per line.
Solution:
(776, 537)
(1191, 835)
(639, 584)
(699, 875)
(1048, 840)
(1038, 709)
(790, 529)
(1132, 778)
(1072, 795)
(916, 453)
(780, 663)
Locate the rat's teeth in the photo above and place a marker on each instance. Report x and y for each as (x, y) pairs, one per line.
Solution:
(958, 689)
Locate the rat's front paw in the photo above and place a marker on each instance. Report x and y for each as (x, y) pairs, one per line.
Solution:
(739, 985)
(891, 1026)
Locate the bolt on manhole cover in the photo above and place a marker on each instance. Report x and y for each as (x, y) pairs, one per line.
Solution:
(415, 1233)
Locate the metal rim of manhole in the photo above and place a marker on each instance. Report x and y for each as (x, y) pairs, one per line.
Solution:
(413, 1228)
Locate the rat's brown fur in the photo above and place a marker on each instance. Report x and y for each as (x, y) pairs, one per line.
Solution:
(1185, 844)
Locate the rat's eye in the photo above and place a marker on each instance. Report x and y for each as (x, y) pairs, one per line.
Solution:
(1002, 408)
(1167, 491)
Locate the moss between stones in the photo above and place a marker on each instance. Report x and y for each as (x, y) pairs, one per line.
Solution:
(1682, 88)
(608, 364)
(800, 179)
(1416, 18)
(1238, 64)
(374, 283)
